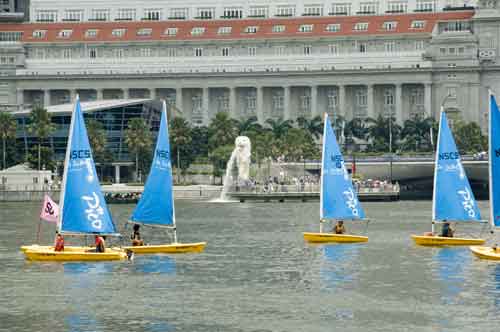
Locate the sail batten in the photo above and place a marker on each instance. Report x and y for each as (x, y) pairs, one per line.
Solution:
(83, 207)
(338, 198)
(453, 199)
(156, 206)
(494, 162)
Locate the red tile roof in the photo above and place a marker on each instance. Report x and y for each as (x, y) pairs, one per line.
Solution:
(264, 31)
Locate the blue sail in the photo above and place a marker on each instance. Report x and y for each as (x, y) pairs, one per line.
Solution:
(494, 156)
(339, 200)
(156, 204)
(84, 209)
(453, 198)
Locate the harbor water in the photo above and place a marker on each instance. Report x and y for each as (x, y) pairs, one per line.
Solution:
(257, 274)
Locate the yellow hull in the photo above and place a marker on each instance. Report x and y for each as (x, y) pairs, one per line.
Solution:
(68, 248)
(174, 248)
(486, 253)
(425, 240)
(72, 254)
(336, 238)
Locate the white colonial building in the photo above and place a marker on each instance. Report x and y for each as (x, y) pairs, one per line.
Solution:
(258, 58)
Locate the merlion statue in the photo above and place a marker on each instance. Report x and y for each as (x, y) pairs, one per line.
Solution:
(243, 149)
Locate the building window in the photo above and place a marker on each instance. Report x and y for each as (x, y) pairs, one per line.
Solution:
(390, 26)
(259, 12)
(451, 92)
(39, 53)
(144, 32)
(91, 33)
(171, 52)
(225, 51)
(307, 50)
(118, 53)
(442, 51)
(278, 28)
(178, 13)
(251, 29)
(10, 36)
(341, 9)
(361, 26)
(368, 8)
(361, 47)
(361, 98)
(197, 31)
(99, 15)
(73, 15)
(171, 31)
(285, 11)
(333, 27)
(461, 50)
(279, 50)
(305, 103)
(46, 15)
(390, 47)
(397, 7)
(145, 52)
(39, 33)
(92, 53)
(278, 101)
(417, 24)
(66, 33)
(419, 45)
(451, 51)
(389, 97)
(224, 30)
(306, 28)
(251, 103)
(118, 32)
(233, 12)
(313, 10)
(425, 6)
(125, 14)
(66, 53)
(252, 51)
(152, 15)
(222, 103)
(456, 26)
(333, 49)
(332, 99)
(205, 13)
(198, 51)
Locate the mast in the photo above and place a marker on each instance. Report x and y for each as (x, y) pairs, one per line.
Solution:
(322, 174)
(436, 161)
(66, 164)
(490, 166)
(164, 109)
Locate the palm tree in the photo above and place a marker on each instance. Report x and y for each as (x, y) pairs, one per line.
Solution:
(222, 131)
(383, 132)
(279, 127)
(138, 139)
(7, 130)
(40, 125)
(97, 140)
(356, 128)
(314, 126)
(417, 132)
(247, 125)
(180, 137)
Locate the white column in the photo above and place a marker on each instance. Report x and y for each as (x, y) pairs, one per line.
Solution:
(314, 101)
(233, 112)
(398, 104)
(178, 100)
(46, 98)
(99, 94)
(370, 109)
(428, 100)
(205, 106)
(72, 95)
(286, 103)
(117, 173)
(20, 98)
(152, 93)
(125, 94)
(342, 102)
(260, 104)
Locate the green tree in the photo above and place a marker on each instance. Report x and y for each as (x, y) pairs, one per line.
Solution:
(43, 155)
(219, 158)
(180, 138)
(221, 131)
(469, 137)
(250, 124)
(314, 126)
(41, 126)
(384, 133)
(356, 128)
(199, 142)
(138, 140)
(279, 127)
(297, 144)
(416, 134)
(97, 139)
(7, 131)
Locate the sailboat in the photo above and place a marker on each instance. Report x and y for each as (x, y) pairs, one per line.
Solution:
(82, 204)
(156, 206)
(338, 199)
(453, 199)
(485, 252)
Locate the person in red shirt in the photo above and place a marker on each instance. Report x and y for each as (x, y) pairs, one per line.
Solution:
(59, 242)
(100, 245)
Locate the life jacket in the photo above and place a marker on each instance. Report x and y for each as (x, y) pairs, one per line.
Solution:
(59, 244)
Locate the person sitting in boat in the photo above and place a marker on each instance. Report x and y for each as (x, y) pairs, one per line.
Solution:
(136, 236)
(100, 245)
(59, 242)
(447, 231)
(339, 228)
